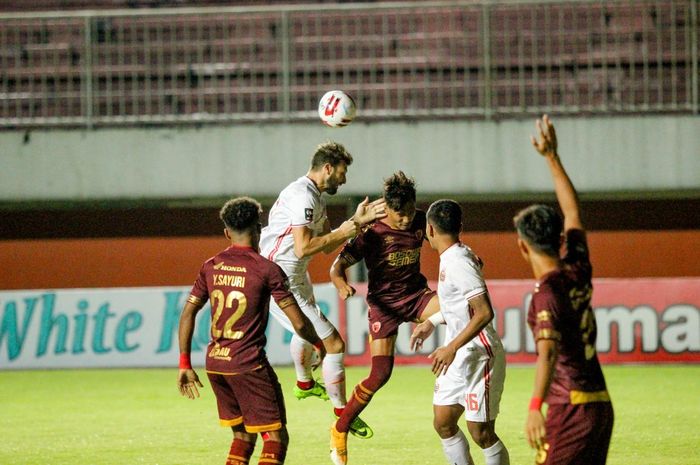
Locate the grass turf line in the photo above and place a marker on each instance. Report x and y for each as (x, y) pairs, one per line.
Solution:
(126, 417)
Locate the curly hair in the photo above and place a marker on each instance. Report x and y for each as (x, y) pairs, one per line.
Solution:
(399, 190)
(446, 216)
(541, 227)
(332, 153)
(241, 214)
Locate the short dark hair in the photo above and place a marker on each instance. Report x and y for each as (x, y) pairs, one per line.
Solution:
(446, 216)
(541, 227)
(241, 214)
(332, 153)
(399, 190)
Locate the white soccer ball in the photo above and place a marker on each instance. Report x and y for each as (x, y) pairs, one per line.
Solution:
(336, 109)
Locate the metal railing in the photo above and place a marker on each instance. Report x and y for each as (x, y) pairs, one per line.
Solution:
(419, 59)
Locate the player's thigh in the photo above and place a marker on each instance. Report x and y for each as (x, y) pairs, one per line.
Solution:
(280, 316)
(226, 401)
(446, 419)
(429, 304)
(450, 387)
(384, 321)
(304, 295)
(575, 434)
(261, 401)
(485, 378)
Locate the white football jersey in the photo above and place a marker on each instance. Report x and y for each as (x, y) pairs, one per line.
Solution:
(299, 204)
(460, 280)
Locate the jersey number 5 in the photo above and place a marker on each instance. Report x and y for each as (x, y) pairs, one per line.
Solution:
(219, 302)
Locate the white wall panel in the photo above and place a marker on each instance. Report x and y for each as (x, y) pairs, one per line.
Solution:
(451, 156)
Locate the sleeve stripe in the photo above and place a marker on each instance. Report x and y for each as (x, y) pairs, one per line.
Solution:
(548, 334)
(476, 292)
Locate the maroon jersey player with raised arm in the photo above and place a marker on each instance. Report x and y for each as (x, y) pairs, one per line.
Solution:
(397, 291)
(239, 282)
(568, 376)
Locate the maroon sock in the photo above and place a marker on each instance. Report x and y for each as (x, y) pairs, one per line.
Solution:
(362, 394)
(240, 452)
(273, 453)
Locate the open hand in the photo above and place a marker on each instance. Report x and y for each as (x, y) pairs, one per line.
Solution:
(442, 359)
(187, 383)
(421, 332)
(367, 211)
(535, 430)
(546, 142)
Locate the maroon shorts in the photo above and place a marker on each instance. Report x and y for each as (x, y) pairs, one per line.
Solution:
(252, 399)
(384, 321)
(577, 434)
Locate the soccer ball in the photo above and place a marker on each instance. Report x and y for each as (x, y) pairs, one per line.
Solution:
(336, 109)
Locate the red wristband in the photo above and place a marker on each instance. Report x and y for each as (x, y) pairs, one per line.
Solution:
(185, 362)
(319, 345)
(536, 403)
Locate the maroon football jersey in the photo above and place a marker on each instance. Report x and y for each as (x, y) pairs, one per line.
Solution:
(238, 282)
(561, 310)
(393, 260)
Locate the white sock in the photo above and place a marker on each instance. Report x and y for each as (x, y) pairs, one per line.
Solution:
(497, 454)
(334, 377)
(301, 356)
(456, 449)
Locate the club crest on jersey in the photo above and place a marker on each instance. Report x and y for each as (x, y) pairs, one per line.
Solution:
(419, 234)
(376, 326)
(442, 275)
(389, 239)
(309, 214)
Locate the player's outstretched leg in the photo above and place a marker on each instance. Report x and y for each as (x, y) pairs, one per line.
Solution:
(339, 446)
(379, 374)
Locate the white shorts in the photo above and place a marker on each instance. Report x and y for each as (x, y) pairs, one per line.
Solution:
(304, 294)
(474, 383)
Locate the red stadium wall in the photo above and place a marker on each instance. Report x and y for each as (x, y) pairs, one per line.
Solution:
(69, 263)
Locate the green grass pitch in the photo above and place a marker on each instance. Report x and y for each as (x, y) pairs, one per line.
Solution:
(127, 417)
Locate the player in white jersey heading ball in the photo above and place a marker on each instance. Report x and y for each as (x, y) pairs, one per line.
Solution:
(471, 365)
(297, 229)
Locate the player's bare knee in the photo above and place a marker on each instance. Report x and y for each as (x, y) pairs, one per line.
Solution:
(280, 436)
(240, 433)
(444, 429)
(483, 434)
(334, 344)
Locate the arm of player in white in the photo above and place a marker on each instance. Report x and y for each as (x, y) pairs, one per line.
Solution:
(306, 244)
(482, 315)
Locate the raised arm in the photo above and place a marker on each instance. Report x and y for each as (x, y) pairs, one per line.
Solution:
(546, 145)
